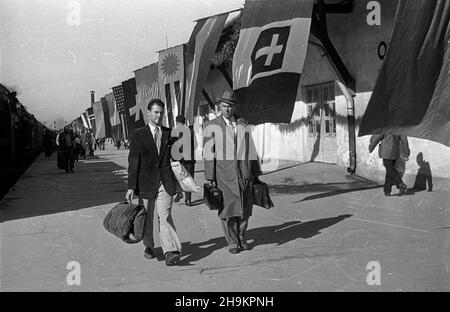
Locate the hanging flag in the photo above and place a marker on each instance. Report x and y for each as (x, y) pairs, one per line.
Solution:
(199, 53)
(99, 119)
(119, 98)
(269, 58)
(106, 117)
(147, 88)
(79, 123)
(114, 118)
(129, 95)
(412, 91)
(91, 118)
(171, 81)
(85, 119)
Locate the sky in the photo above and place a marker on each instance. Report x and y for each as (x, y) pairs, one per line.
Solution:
(52, 58)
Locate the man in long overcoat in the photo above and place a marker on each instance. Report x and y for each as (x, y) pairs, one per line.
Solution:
(231, 163)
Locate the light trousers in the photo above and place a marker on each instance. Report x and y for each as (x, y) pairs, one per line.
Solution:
(168, 237)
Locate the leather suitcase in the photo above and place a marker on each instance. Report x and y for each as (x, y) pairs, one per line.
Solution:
(261, 195)
(212, 197)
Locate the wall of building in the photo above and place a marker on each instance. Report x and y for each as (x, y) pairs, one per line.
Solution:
(357, 43)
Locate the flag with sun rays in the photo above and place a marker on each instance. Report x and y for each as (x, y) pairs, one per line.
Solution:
(171, 81)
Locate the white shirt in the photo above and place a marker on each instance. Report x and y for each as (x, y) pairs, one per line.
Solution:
(152, 130)
(230, 123)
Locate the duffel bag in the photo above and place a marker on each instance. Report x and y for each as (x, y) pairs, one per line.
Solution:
(126, 221)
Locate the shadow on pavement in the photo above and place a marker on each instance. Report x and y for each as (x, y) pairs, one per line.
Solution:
(276, 234)
(338, 192)
(48, 191)
(324, 189)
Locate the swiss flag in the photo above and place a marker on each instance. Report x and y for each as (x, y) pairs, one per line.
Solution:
(269, 58)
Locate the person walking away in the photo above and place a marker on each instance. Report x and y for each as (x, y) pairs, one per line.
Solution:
(150, 176)
(78, 147)
(391, 148)
(118, 143)
(66, 143)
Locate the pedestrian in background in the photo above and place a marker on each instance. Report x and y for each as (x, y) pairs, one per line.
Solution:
(66, 144)
(78, 148)
(391, 149)
(188, 163)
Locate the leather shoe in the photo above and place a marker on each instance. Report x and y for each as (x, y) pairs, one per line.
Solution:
(234, 250)
(245, 246)
(188, 203)
(178, 197)
(403, 189)
(148, 253)
(172, 258)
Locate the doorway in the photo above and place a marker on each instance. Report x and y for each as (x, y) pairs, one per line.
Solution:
(321, 117)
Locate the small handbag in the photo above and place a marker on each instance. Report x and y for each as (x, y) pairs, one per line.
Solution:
(261, 195)
(212, 197)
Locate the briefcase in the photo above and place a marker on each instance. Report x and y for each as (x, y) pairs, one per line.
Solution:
(126, 221)
(261, 195)
(212, 197)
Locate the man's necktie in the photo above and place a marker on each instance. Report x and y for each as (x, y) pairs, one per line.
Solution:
(157, 140)
(233, 128)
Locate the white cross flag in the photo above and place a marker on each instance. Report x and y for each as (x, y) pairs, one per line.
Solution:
(269, 58)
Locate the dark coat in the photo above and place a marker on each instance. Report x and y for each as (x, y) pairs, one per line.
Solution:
(235, 177)
(145, 167)
(391, 146)
(62, 140)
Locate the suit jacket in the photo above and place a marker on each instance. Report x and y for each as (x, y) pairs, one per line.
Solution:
(391, 146)
(235, 177)
(147, 168)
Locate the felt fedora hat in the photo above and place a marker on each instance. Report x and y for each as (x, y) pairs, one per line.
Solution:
(228, 97)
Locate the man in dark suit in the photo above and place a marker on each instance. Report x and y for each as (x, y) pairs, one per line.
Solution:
(150, 176)
(232, 165)
(392, 148)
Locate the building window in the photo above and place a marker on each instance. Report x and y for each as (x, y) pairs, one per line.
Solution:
(321, 109)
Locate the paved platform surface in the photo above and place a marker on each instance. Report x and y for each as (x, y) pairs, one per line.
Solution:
(324, 232)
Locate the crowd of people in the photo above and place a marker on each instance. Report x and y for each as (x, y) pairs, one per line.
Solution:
(73, 145)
